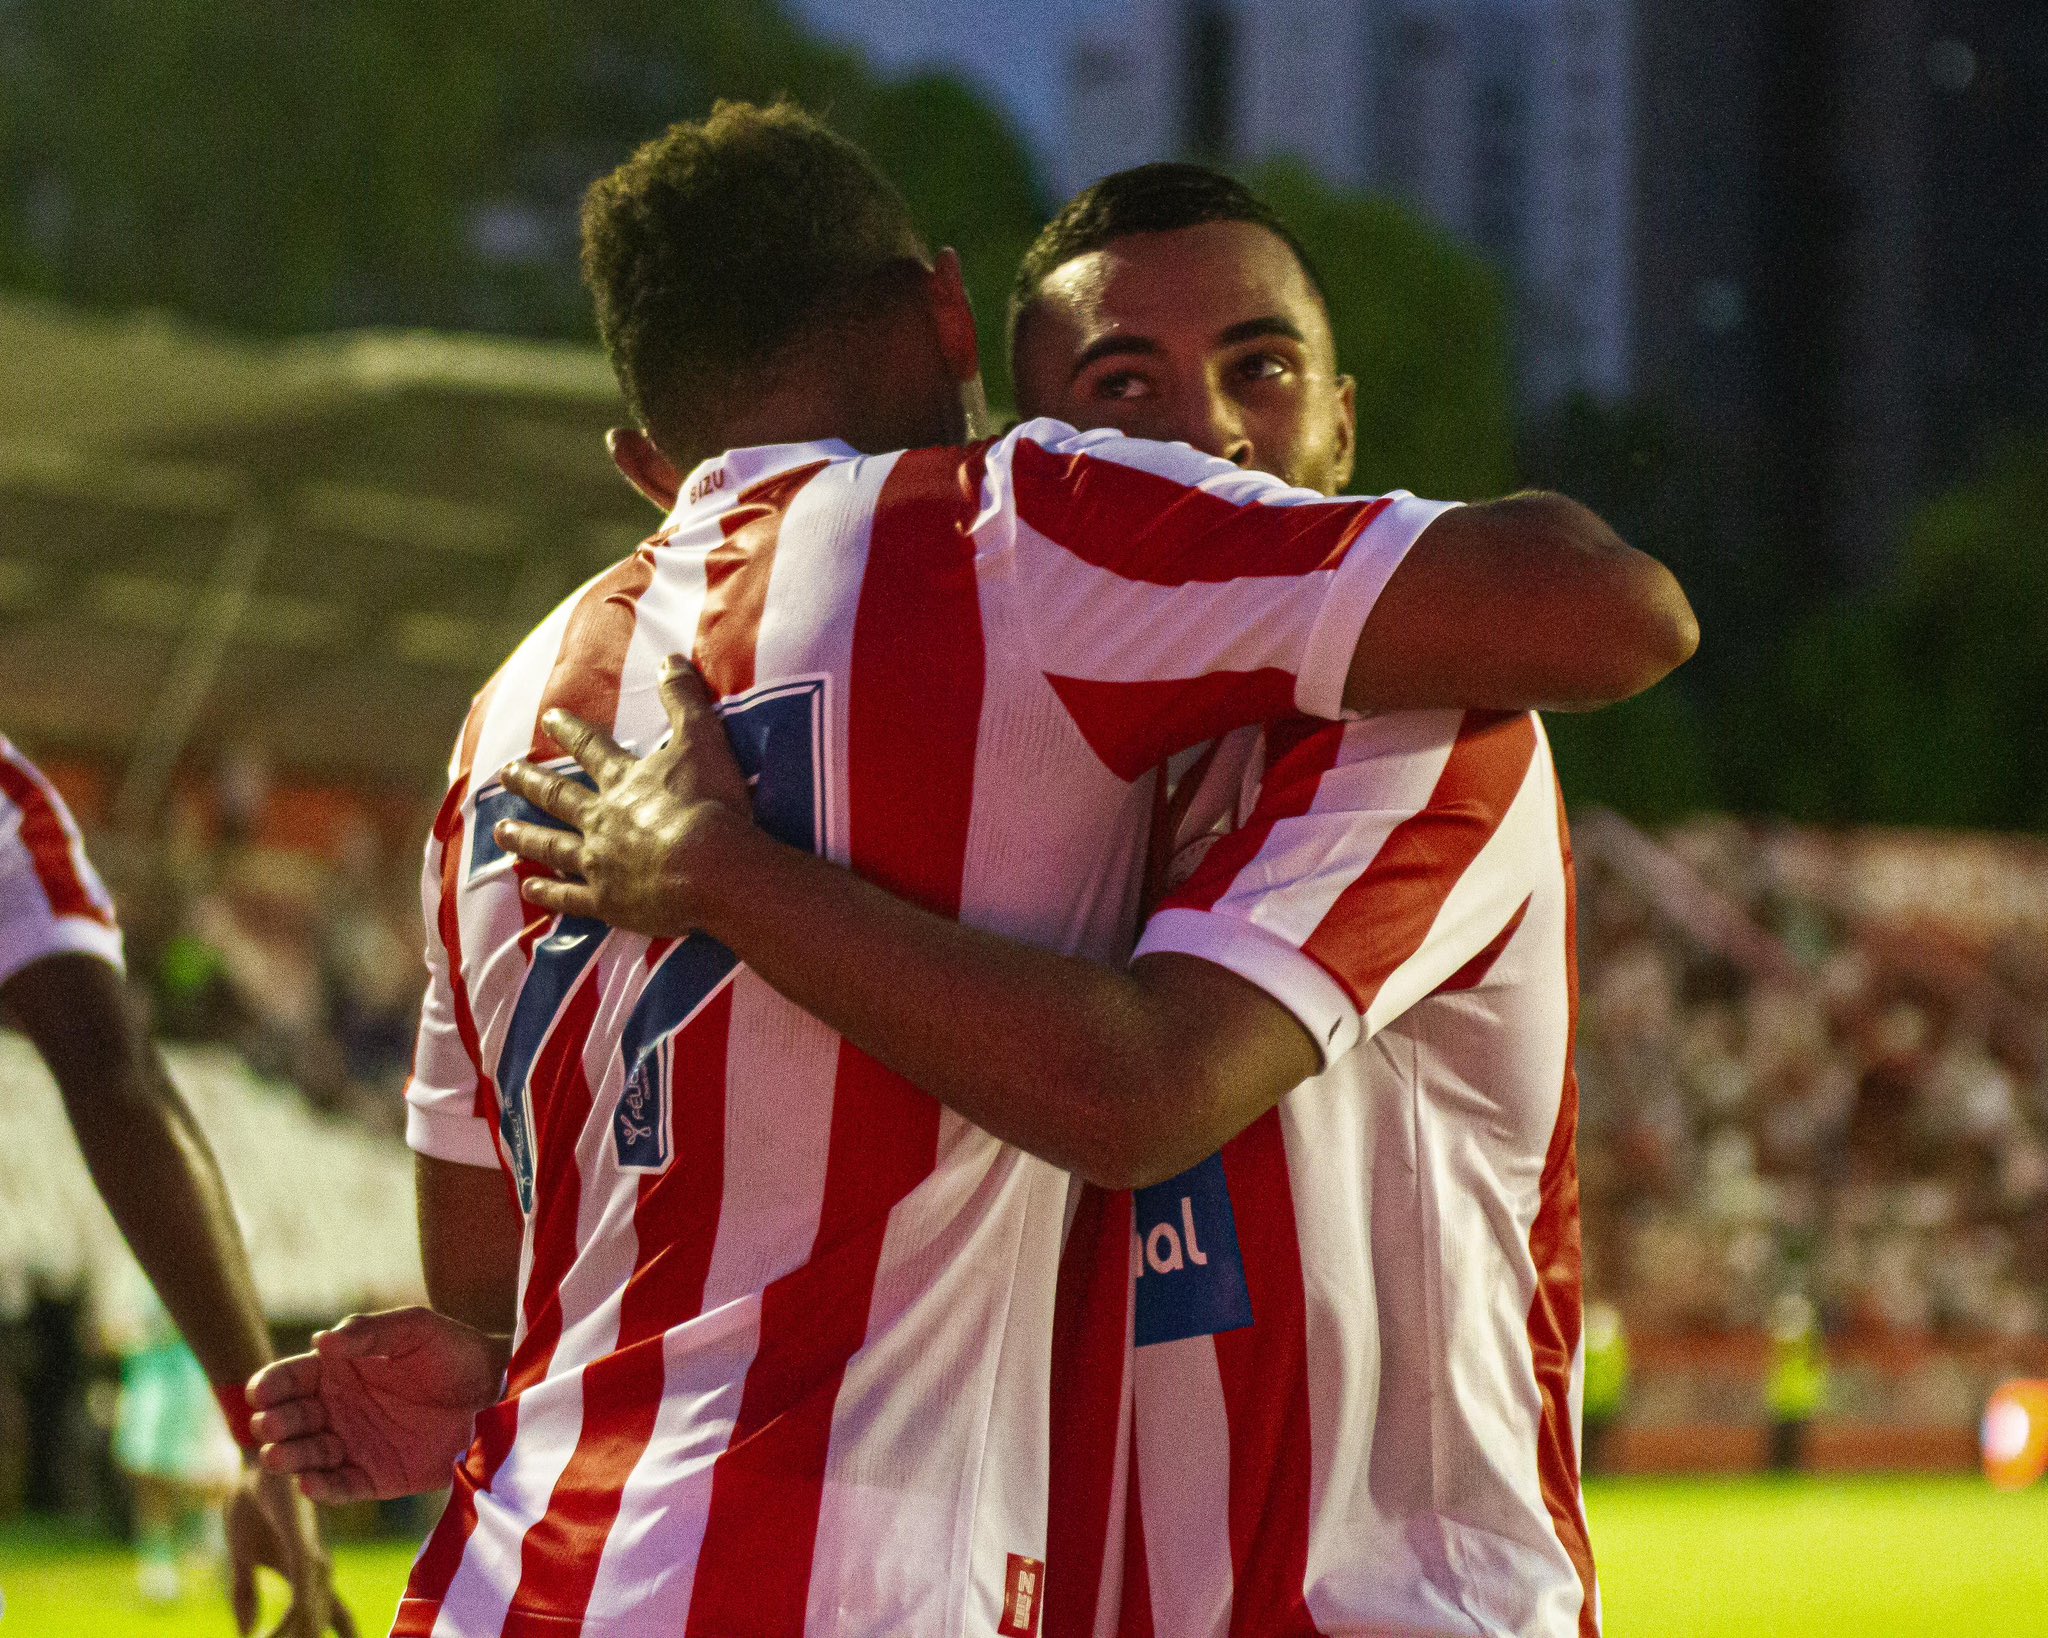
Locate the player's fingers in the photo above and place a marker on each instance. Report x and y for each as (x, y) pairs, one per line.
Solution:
(310, 1453)
(332, 1486)
(589, 744)
(553, 793)
(558, 850)
(293, 1419)
(284, 1379)
(684, 694)
(242, 1593)
(563, 898)
(339, 1617)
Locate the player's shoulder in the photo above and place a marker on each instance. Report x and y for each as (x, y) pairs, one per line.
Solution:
(1048, 453)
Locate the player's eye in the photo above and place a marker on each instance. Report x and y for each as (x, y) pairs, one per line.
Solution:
(1262, 367)
(1122, 386)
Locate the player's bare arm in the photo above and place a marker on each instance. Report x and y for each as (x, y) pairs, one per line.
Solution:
(1124, 1077)
(383, 1403)
(154, 1168)
(1531, 602)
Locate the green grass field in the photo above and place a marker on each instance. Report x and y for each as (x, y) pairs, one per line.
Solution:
(1883, 1558)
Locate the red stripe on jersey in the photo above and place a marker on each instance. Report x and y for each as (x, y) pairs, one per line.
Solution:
(1473, 973)
(1381, 919)
(1556, 1312)
(1134, 725)
(1264, 1371)
(557, 1200)
(448, 836)
(1135, 1611)
(1299, 751)
(50, 838)
(914, 715)
(675, 1222)
(1091, 1362)
(585, 679)
(1146, 527)
(736, 575)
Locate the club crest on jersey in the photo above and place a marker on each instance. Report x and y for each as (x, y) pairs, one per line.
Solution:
(640, 1123)
(1191, 1280)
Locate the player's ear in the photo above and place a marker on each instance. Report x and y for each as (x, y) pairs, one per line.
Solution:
(645, 467)
(954, 315)
(1347, 430)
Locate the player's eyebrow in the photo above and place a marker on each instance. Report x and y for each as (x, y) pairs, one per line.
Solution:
(1252, 329)
(1114, 346)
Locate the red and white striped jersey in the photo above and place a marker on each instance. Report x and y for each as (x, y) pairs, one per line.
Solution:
(52, 901)
(785, 1324)
(1355, 1334)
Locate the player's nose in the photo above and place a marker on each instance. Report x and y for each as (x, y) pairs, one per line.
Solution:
(1211, 423)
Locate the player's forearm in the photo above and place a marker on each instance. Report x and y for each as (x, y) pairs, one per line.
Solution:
(154, 1168)
(1060, 1056)
(147, 1155)
(470, 1238)
(1528, 602)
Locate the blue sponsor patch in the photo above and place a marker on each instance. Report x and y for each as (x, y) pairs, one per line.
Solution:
(1190, 1272)
(640, 1123)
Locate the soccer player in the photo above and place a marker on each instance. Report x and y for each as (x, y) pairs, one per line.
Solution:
(61, 986)
(1358, 1328)
(784, 1326)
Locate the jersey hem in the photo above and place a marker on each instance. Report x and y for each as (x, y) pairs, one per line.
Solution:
(28, 940)
(463, 1139)
(1297, 981)
(1355, 587)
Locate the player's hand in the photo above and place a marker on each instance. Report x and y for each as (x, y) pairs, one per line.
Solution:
(269, 1522)
(382, 1407)
(643, 842)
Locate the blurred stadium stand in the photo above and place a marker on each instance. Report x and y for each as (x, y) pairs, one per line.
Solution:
(320, 546)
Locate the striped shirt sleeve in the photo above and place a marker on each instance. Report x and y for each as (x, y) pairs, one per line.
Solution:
(1384, 860)
(445, 1107)
(52, 901)
(1172, 596)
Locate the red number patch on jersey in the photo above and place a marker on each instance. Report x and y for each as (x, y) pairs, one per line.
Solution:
(1023, 1592)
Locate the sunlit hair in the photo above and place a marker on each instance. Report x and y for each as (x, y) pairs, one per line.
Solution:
(724, 244)
(1157, 198)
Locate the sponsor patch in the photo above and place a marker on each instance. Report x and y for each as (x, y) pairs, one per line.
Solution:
(1190, 1272)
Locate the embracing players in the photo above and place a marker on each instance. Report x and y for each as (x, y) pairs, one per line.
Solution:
(61, 985)
(785, 1331)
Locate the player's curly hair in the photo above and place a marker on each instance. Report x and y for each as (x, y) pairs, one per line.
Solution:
(721, 245)
(1156, 198)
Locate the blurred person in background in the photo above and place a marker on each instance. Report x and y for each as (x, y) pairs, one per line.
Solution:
(62, 986)
(170, 1441)
(1796, 1388)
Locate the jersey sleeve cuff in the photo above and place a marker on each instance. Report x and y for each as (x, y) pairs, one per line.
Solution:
(1355, 586)
(30, 939)
(439, 1134)
(1298, 982)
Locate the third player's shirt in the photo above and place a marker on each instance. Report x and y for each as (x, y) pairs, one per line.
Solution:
(783, 1352)
(1355, 1338)
(52, 901)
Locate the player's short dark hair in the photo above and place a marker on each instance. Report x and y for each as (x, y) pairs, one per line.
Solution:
(721, 245)
(1156, 198)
